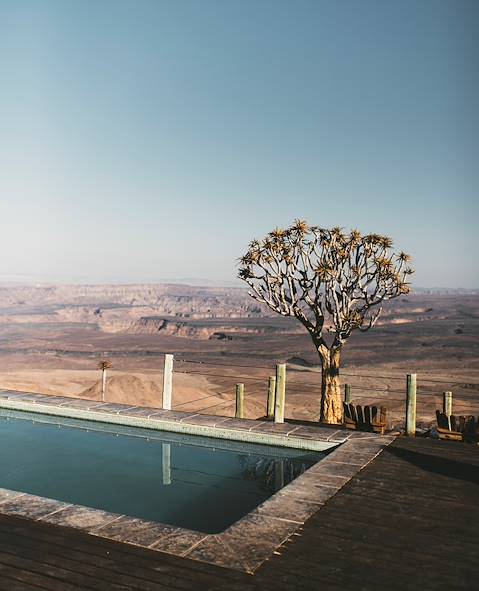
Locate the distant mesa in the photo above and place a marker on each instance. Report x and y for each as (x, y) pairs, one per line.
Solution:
(220, 329)
(220, 336)
(168, 327)
(182, 311)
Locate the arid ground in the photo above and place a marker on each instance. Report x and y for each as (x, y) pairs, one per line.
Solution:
(52, 338)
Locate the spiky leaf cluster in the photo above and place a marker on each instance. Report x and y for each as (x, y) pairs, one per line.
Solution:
(105, 364)
(325, 276)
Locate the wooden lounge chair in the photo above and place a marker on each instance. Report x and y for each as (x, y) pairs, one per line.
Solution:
(365, 418)
(457, 427)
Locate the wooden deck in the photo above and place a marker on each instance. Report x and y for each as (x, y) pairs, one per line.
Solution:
(408, 521)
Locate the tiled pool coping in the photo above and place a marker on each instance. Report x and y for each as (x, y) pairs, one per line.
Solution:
(246, 544)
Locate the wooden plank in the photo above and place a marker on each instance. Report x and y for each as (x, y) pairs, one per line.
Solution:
(16, 572)
(104, 574)
(65, 570)
(367, 416)
(8, 584)
(426, 535)
(155, 566)
(363, 564)
(360, 415)
(352, 410)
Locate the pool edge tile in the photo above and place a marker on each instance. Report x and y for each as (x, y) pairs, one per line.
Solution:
(31, 506)
(7, 495)
(77, 516)
(230, 429)
(179, 542)
(133, 530)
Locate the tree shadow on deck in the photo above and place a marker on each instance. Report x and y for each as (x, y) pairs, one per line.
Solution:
(314, 424)
(437, 464)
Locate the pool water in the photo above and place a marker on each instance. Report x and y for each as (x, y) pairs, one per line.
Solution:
(194, 482)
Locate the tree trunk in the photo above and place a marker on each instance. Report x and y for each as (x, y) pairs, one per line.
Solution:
(331, 403)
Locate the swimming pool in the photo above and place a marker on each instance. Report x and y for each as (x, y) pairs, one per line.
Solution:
(193, 482)
(245, 544)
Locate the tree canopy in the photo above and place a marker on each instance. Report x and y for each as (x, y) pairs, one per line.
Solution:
(326, 278)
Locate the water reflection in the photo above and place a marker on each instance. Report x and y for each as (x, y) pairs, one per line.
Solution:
(166, 462)
(271, 475)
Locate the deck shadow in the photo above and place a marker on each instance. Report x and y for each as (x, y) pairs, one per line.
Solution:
(436, 464)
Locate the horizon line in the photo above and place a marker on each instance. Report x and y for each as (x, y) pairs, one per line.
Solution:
(187, 282)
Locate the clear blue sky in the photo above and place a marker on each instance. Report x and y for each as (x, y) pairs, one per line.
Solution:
(148, 140)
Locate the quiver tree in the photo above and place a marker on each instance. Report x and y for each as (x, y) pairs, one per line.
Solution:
(332, 282)
(104, 365)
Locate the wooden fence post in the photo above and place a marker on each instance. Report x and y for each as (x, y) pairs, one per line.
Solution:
(280, 395)
(411, 382)
(239, 414)
(447, 403)
(271, 394)
(167, 382)
(347, 393)
(447, 406)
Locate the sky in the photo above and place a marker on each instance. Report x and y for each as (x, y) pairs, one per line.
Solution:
(152, 140)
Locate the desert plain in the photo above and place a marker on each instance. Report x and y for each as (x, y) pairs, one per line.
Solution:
(52, 338)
